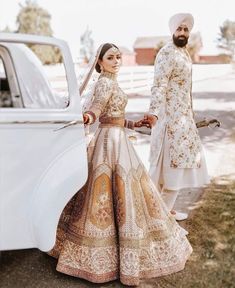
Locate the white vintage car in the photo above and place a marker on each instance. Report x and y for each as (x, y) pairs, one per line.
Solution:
(41, 166)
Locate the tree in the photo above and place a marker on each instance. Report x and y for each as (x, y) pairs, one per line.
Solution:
(87, 45)
(33, 19)
(194, 46)
(159, 45)
(226, 40)
(6, 29)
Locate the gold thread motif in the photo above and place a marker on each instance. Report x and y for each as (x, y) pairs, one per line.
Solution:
(151, 201)
(120, 200)
(101, 209)
(113, 231)
(140, 218)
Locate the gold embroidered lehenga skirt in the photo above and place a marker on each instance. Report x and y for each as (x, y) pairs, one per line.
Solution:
(117, 226)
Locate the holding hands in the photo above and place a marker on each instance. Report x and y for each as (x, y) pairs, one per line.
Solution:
(148, 121)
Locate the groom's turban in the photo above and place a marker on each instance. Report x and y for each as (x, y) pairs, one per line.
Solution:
(179, 19)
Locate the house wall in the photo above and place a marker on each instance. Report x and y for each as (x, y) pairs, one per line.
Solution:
(145, 56)
(214, 59)
(129, 59)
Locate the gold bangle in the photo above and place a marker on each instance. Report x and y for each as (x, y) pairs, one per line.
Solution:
(91, 116)
(129, 124)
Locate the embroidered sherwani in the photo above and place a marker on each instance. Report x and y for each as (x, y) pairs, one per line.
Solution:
(175, 135)
(117, 226)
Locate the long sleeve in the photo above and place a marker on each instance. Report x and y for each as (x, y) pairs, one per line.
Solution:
(164, 64)
(102, 94)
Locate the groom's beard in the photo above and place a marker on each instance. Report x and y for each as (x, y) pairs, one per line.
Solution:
(180, 41)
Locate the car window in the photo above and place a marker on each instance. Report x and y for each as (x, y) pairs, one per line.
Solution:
(5, 94)
(33, 76)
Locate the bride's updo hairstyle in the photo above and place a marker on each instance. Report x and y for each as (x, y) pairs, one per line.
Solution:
(104, 49)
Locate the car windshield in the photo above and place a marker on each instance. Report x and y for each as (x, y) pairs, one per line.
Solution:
(38, 84)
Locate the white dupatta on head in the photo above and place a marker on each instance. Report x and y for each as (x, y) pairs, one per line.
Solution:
(89, 87)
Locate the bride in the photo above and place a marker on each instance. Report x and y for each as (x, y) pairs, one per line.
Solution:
(117, 226)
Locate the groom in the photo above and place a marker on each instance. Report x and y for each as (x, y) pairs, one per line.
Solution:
(176, 157)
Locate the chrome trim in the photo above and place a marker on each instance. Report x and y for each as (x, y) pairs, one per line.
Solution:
(67, 123)
(71, 123)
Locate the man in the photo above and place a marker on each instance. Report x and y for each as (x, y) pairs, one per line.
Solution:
(176, 156)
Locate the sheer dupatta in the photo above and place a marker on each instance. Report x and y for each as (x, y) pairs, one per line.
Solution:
(87, 88)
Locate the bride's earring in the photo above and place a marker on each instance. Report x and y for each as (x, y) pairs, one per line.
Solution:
(101, 68)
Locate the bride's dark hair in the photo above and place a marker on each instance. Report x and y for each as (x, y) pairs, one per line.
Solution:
(104, 49)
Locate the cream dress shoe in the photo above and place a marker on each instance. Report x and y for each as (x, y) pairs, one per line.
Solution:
(179, 216)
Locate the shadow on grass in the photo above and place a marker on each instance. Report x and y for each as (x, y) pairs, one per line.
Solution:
(211, 233)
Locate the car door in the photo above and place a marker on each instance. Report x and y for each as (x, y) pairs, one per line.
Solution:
(41, 166)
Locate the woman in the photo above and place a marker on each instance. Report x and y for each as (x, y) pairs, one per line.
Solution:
(117, 225)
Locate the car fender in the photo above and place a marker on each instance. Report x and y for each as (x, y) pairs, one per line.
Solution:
(58, 184)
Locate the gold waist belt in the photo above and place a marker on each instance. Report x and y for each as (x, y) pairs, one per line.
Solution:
(112, 121)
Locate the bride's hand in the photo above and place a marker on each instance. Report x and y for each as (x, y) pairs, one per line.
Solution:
(139, 123)
(85, 118)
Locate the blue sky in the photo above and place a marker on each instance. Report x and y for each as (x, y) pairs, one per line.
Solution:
(121, 21)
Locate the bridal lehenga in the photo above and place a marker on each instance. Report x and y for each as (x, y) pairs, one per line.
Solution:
(117, 226)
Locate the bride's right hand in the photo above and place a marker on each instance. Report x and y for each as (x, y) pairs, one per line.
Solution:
(85, 118)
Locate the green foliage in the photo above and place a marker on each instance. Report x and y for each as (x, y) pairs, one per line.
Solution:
(211, 233)
(33, 19)
(47, 54)
(226, 39)
(160, 44)
(194, 45)
(87, 45)
(6, 30)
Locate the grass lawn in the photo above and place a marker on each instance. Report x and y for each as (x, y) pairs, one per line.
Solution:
(212, 234)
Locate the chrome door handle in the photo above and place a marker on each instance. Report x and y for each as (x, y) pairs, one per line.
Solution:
(71, 123)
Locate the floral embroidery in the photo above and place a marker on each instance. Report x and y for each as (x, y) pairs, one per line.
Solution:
(117, 225)
(109, 99)
(171, 102)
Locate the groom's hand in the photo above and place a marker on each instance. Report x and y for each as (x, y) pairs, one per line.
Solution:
(142, 122)
(149, 120)
(139, 123)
